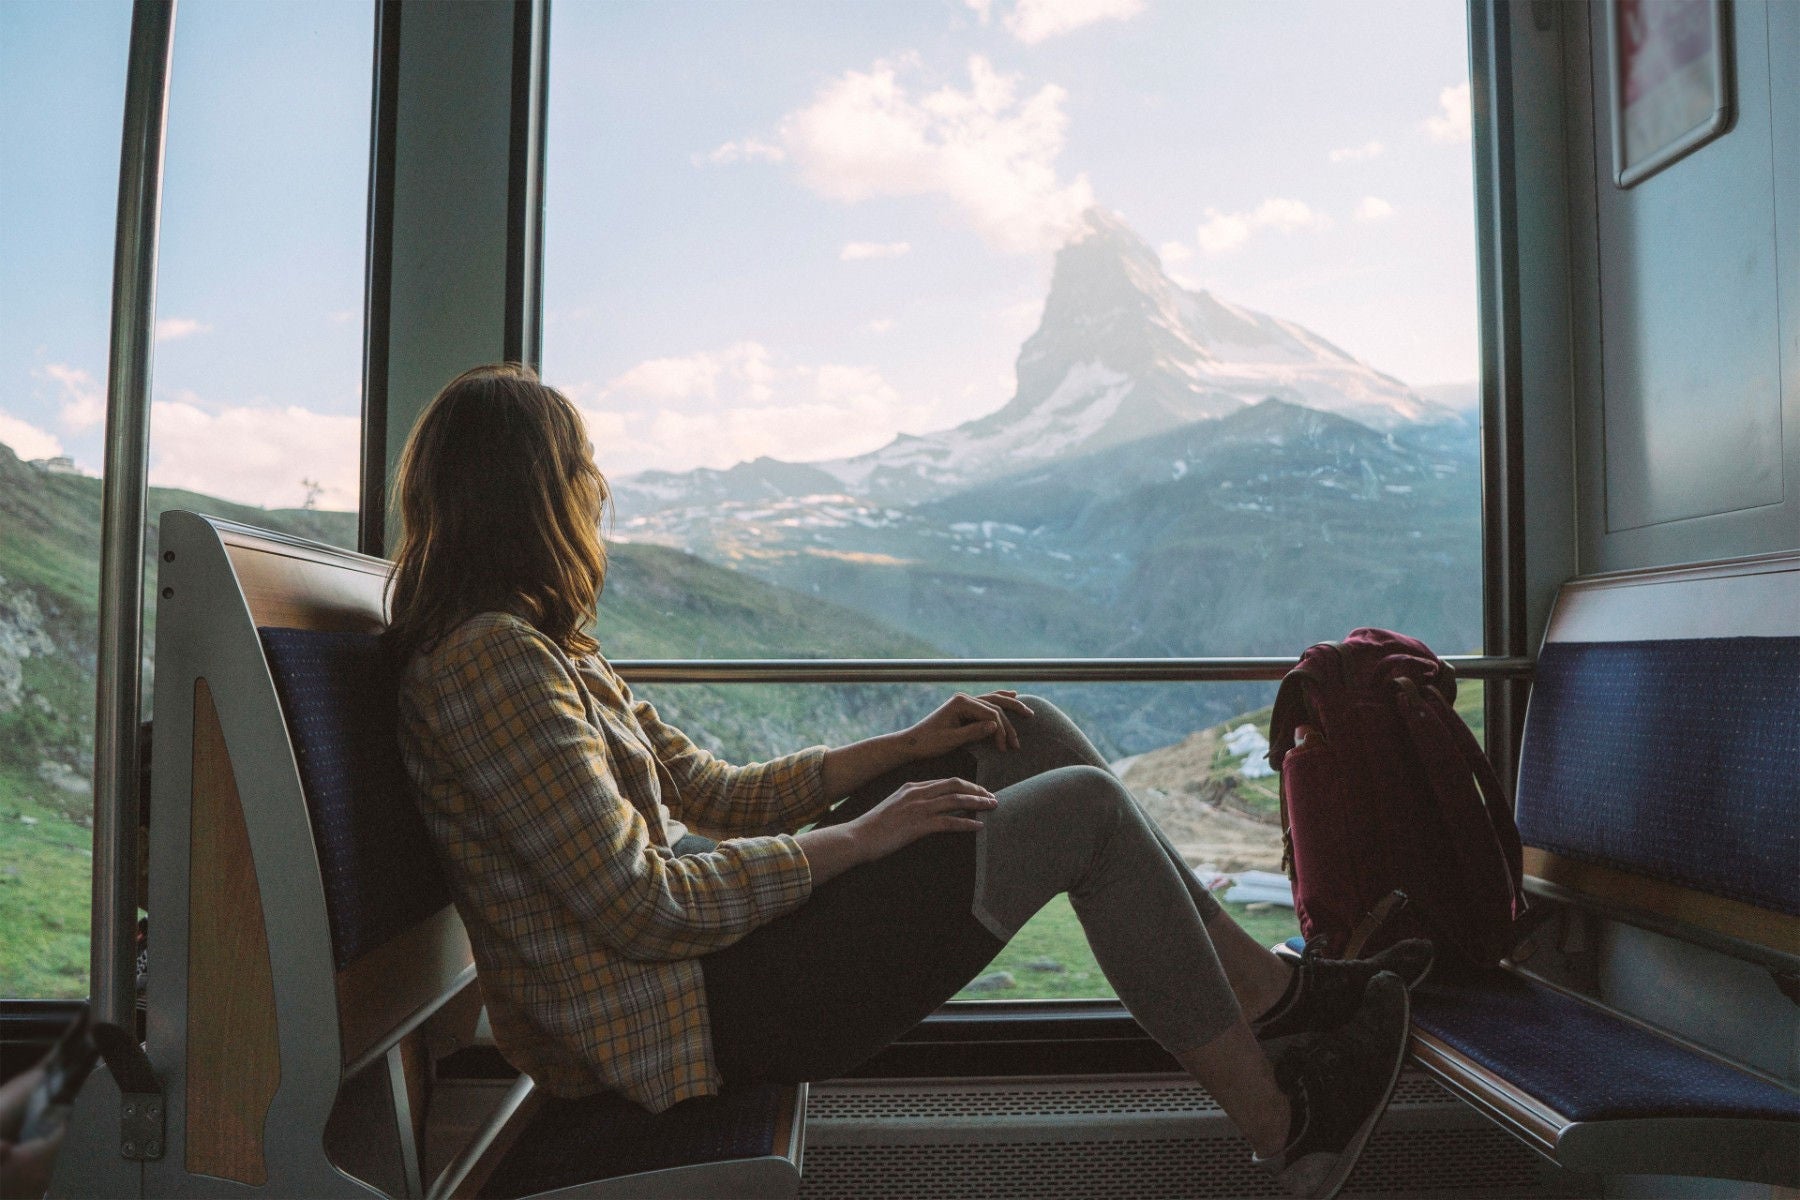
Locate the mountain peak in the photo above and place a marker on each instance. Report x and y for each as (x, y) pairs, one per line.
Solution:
(1110, 303)
(1109, 231)
(1122, 352)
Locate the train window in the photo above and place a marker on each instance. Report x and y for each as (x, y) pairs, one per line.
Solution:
(1012, 330)
(62, 95)
(258, 384)
(256, 373)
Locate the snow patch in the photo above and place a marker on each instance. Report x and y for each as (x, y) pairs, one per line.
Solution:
(1247, 739)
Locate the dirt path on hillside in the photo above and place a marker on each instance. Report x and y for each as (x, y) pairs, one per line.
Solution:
(1170, 784)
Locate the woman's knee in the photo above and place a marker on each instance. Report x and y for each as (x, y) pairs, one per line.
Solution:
(1073, 797)
(1053, 727)
(1045, 714)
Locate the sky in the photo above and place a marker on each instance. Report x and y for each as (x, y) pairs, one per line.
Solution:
(783, 228)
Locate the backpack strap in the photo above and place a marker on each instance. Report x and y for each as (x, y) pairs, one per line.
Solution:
(1289, 713)
(1493, 795)
(1434, 729)
(1386, 907)
(1526, 916)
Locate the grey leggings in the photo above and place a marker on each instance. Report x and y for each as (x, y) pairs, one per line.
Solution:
(878, 948)
(1066, 824)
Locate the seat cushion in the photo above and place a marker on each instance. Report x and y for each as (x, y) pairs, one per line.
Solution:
(1675, 759)
(605, 1136)
(341, 702)
(1582, 1061)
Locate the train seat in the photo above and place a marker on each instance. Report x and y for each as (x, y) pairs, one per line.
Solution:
(307, 956)
(1659, 783)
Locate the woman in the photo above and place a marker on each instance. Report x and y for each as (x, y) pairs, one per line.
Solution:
(619, 951)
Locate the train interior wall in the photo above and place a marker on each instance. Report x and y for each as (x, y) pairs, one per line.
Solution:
(1682, 392)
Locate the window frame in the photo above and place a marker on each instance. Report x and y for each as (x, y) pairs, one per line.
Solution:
(1058, 1036)
(977, 1034)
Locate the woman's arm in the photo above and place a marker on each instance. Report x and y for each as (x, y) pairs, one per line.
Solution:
(502, 713)
(787, 792)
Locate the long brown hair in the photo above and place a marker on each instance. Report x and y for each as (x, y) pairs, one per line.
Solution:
(500, 506)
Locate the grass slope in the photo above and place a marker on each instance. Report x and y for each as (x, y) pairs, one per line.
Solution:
(49, 606)
(659, 603)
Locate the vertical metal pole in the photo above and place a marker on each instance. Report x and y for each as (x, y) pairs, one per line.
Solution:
(1502, 406)
(117, 698)
(523, 340)
(378, 285)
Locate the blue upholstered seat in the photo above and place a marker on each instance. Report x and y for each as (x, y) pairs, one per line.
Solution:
(605, 1136)
(1676, 759)
(1582, 1061)
(340, 699)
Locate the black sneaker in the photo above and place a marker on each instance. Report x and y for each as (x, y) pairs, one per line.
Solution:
(1339, 1086)
(1325, 992)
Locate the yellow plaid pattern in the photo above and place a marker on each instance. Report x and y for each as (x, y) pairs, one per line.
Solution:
(539, 778)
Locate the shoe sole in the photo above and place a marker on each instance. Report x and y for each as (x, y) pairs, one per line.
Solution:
(1430, 963)
(1347, 1158)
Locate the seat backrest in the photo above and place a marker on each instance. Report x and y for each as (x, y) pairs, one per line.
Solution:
(339, 695)
(1661, 758)
(301, 926)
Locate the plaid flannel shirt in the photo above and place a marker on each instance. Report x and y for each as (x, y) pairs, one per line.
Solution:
(539, 777)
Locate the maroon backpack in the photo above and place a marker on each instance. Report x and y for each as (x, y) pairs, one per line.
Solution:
(1394, 823)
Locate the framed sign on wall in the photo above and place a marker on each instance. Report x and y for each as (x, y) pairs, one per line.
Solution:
(1671, 81)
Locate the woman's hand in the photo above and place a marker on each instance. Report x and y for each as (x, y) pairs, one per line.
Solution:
(957, 722)
(931, 806)
(963, 719)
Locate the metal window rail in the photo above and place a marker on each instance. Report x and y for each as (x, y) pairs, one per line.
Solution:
(1013, 670)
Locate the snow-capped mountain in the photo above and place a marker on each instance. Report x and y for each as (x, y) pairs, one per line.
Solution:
(1121, 352)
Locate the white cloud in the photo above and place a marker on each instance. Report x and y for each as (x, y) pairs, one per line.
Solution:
(1021, 315)
(1286, 215)
(1175, 252)
(1222, 232)
(254, 455)
(880, 325)
(344, 316)
(857, 251)
(983, 9)
(1373, 208)
(1362, 153)
(752, 402)
(1452, 123)
(173, 329)
(82, 398)
(1032, 21)
(986, 149)
(671, 378)
(747, 150)
(26, 439)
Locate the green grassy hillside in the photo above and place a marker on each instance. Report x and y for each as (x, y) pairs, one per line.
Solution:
(49, 620)
(659, 603)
